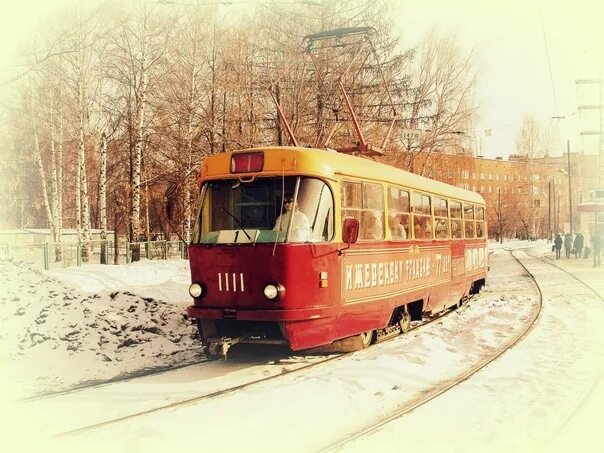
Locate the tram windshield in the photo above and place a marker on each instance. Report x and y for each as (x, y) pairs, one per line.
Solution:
(264, 210)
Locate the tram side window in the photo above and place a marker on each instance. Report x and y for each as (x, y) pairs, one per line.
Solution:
(364, 202)
(441, 218)
(468, 220)
(480, 223)
(480, 213)
(456, 219)
(398, 216)
(480, 229)
(422, 218)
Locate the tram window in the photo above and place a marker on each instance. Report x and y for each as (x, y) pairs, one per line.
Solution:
(372, 227)
(422, 218)
(364, 202)
(480, 213)
(398, 199)
(455, 207)
(440, 207)
(469, 228)
(352, 195)
(480, 229)
(316, 201)
(422, 226)
(373, 196)
(441, 228)
(456, 228)
(420, 203)
(235, 211)
(398, 215)
(468, 212)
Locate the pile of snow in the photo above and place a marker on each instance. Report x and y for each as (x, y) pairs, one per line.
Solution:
(67, 327)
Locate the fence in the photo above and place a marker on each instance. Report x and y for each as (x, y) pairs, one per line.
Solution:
(49, 255)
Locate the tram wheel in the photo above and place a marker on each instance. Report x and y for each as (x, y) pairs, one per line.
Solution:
(405, 322)
(367, 338)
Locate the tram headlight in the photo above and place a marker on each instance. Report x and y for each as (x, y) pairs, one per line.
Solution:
(273, 291)
(197, 290)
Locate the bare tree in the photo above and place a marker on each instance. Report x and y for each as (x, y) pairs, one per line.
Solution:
(42, 174)
(531, 142)
(135, 95)
(441, 100)
(138, 54)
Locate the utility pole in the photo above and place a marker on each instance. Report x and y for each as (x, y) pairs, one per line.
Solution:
(600, 132)
(570, 191)
(500, 216)
(556, 211)
(549, 209)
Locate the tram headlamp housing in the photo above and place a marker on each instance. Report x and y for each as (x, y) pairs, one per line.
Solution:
(197, 290)
(274, 291)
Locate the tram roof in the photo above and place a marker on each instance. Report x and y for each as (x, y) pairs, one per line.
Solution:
(285, 160)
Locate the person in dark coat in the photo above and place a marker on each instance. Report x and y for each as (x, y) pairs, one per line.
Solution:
(578, 245)
(558, 245)
(568, 243)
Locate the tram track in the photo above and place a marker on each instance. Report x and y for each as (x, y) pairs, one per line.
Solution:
(281, 362)
(553, 263)
(447, 385)
(205, 360)
(570, 274)
(213, 394)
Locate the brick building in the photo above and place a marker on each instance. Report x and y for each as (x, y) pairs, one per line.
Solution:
(525, 198)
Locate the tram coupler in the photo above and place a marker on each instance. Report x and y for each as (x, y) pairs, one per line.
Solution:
(219, 347)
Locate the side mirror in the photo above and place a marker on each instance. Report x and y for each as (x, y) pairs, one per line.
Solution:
(350, 230)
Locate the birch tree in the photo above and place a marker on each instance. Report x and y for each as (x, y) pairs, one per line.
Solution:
(138, 54)
(78, 73)
(51, 219)
(103, 197)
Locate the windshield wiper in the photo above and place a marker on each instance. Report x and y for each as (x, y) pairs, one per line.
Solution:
(238, 222)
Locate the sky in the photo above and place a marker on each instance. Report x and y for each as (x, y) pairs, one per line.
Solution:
(545, 394)
(529, 55)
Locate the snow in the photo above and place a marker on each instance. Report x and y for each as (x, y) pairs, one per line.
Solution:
(70, 326)
(64, 327)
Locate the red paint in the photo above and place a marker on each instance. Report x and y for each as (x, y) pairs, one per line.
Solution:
(235, 276)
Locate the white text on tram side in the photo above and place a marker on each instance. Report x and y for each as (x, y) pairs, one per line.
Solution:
(368, 275)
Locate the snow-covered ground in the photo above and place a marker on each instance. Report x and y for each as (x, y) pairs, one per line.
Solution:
(67, 326)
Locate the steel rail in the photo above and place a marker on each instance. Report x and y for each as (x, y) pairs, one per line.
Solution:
(592, 389)
(214, 394)
(452, 383)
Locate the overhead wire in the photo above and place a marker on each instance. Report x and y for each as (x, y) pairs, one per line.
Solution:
(549, 64)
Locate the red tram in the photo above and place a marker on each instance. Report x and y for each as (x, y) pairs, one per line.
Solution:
(310, 247)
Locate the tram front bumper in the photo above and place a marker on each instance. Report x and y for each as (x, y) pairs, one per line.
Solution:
(303, 314)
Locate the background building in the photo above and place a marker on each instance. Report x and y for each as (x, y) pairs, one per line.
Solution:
(526, 198)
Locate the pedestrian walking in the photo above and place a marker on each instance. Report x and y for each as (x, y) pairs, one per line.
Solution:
(596, 245)
(558, 245)
(578, 245)
(568, 243)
